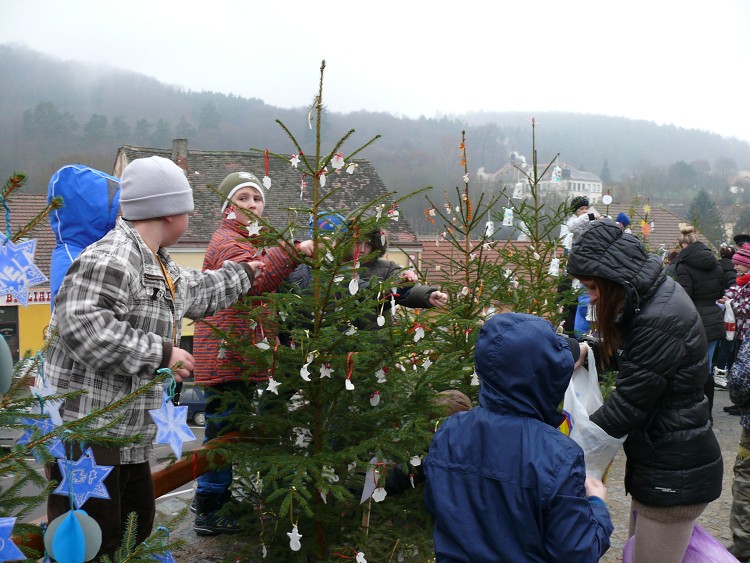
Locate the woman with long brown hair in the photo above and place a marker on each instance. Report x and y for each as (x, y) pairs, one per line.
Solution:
(648, 322)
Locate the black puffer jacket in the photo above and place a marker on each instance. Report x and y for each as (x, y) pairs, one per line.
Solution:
(730, 274)
(699, 272)
(673, 458)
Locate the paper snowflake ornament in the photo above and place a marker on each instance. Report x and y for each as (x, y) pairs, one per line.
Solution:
(44, 426)
(171, 426)
(294, 160)
(83, 479)
(18, 271)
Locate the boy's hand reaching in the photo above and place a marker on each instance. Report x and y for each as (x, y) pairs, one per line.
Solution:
(438, 299)
(595, 488)
(409, 276)
(306, 247)
(257, 268)
(180, 355)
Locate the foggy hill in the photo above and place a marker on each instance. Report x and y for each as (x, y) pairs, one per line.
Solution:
(55, 112)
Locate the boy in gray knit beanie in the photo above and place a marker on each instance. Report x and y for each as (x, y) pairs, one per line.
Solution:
(117, 320)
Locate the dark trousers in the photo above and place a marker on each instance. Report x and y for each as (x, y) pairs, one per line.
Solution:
(130, 488)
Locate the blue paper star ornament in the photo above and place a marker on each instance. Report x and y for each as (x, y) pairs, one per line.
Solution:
(18, 271)
(43, 426)
(171, 426)
(8, 550)
(84, 477)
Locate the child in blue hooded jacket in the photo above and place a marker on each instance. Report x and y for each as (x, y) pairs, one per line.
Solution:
(502, 482)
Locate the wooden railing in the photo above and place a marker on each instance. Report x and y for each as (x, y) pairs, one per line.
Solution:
(165, 480)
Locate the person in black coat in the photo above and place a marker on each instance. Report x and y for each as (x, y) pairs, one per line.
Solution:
(674, 464)
(698, 271)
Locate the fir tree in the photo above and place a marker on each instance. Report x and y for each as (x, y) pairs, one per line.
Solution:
(705, 217)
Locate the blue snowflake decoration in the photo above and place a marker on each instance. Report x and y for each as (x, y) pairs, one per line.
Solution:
(43, 426)
(8, 550)
(171, 426)
(85, 477)
(18, 271)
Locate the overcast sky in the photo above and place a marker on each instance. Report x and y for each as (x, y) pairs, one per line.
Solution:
(681, 62)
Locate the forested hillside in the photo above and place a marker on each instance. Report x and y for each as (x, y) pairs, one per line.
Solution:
(55, 112)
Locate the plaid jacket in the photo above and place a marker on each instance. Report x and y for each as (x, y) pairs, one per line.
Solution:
(114, 325)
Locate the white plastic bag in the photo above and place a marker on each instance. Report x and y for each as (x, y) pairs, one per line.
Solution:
(582, 398)
(729, 325)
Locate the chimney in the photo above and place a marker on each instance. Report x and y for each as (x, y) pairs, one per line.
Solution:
(180, 153)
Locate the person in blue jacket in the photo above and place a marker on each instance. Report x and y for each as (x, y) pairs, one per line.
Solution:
(503, 484)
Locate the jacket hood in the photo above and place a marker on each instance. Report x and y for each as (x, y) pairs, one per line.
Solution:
(698, 256)
(91, 201)
(524, 367)
(604, 250)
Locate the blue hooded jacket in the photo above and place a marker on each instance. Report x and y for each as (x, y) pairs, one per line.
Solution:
(502, 482)
(91, 201)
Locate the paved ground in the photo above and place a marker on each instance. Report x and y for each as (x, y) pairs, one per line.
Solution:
(715, 518)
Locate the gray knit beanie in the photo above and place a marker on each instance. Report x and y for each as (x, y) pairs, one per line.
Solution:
(154, 187)
(236, 180)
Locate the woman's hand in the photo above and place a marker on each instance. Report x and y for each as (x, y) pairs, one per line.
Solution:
(438, 299)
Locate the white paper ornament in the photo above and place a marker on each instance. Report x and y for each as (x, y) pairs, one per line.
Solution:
(273, 386)
(294, 160)
(294, 537)
(349, 385)
(418, 334)
(360, 557)
(474, 379)
(379, 494)
(263, 344)
(337, 161)
(489, 229)
(375, 399)
(607, 199)
(338, 279)
(381, 319)
(427, 363)
(231, 215)
(253, 229)
(326, 370)
(354, 286)
(415, 461)
(351, 331)
(267, 182)
(350, 168)
(304, 372)
(380, 376)
(554, 267)
(507, 216)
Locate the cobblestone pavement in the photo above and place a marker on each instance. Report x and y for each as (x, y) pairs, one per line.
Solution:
(715, 518)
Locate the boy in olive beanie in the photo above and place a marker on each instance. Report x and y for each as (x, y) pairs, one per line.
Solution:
(117, 320)
(217, 364)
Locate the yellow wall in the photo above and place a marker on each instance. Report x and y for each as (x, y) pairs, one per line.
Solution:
(32, 323)
(187, 260)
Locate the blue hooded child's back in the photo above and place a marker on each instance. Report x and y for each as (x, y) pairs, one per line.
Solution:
(503, 483)
(91, 200)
